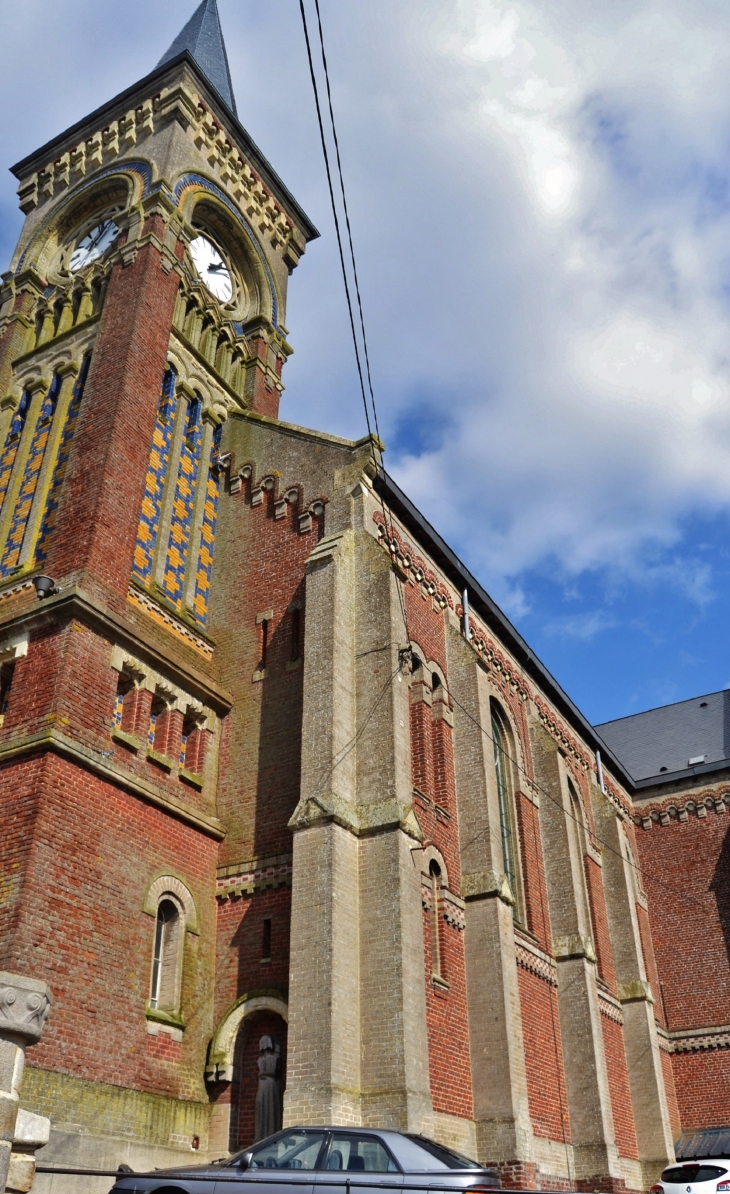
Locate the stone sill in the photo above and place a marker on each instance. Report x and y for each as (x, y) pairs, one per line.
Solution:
(162, 761)
(129, 740)
(190, 777)
(440, 985)
(170, 1023)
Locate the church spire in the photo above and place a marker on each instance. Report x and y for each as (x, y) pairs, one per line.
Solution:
(202, 37)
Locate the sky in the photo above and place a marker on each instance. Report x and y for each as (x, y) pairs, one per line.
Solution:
(540, 200)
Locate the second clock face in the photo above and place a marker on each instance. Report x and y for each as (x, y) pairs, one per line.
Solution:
(93, 245)
(211, 268)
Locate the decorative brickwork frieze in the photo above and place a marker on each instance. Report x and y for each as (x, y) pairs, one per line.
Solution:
(259, 874)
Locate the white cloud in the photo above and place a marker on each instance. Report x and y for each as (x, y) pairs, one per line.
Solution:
(541, 206)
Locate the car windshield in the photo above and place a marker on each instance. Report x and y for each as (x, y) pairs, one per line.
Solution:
(289, 1150)
(418, 1154)
(679, 1175)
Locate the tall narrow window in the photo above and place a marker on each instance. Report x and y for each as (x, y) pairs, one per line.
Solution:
(264, 624)
(296, 630)
(150, 515)
(503, 769)
(183, 504)
(434, 871)
(59, 470)
(6, 681)
(29, 481)
(165, 985)
(266, 940)
(204, 564)
(577, 833)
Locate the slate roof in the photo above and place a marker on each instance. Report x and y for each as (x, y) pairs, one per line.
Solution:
(203, 38)
(715, 1142)
(660, 743)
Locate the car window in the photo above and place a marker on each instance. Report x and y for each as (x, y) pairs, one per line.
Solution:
(290, 1150)
(417, 1154)
(359, 1154)
(679, 1175)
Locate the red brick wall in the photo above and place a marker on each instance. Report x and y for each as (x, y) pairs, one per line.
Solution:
(618, 1085)
(94, 851)
(261, 762)
(432, 763)
(686, 870)
(537, 911)
(100, 501)
(239, 969)
(702, 1083)
(546, 1093)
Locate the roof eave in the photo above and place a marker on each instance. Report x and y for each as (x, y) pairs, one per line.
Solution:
(492, 616)
(669, 777)
(71, 136)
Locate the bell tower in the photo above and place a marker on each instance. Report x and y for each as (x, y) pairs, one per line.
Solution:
(144, 306)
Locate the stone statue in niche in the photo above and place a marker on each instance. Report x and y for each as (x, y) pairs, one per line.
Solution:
(268, 1095)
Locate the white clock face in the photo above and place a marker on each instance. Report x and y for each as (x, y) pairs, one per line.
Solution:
(94, 244)
(211, 268)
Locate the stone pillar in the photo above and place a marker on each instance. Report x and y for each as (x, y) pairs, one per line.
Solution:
(501, 1112)
(648, 1096)
(24, 1007)
(357, 1007)
(586, 1077)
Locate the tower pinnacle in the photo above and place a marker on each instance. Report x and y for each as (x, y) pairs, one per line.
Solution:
(202, 37)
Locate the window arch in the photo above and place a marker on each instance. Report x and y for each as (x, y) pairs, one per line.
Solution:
(501, 740)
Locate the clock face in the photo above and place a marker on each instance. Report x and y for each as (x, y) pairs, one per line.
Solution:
(211, 268)
(94, 244)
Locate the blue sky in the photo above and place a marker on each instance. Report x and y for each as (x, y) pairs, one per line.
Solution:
(540, 196)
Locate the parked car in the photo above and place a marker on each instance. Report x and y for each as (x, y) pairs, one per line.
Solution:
(702, 1176)
(333, 1160)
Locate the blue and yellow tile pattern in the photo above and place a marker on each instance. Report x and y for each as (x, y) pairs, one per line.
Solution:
(29, 483)
(181, 524)
(12, 443)
(149, 521)
(207, 536)
(64, 451)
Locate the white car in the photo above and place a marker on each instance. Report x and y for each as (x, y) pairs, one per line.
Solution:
(706, 1176)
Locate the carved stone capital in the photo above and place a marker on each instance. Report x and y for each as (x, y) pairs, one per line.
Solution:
(25, 1004)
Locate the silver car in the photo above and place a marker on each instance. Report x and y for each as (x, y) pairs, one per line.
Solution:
(695, 1177)
(323, 1161)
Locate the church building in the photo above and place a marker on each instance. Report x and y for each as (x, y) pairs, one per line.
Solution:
(284, 795)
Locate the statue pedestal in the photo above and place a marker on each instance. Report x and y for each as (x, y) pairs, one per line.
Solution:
(31, 1133)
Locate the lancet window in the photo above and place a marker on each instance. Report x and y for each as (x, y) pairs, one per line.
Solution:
(503, 767)
(33, 463)
(176, 534)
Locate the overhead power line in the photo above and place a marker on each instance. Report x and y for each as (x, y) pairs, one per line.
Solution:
(364, 355)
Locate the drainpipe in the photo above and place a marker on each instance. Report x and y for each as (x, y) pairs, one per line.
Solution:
(599, 765)
(465, 604)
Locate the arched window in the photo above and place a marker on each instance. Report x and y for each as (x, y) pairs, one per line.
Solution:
(577, 833)
(434, 871)
(167, 956)
(505, 795)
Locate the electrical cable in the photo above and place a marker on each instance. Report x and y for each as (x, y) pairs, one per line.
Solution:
(347, 220)
(343, 267)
